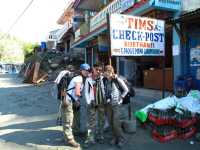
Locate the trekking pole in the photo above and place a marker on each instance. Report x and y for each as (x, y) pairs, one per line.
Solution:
(129, 110)
(59, 117)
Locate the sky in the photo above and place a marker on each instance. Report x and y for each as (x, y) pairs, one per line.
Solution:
(39, 19)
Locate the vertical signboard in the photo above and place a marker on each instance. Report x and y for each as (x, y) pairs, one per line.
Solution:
(136, 36)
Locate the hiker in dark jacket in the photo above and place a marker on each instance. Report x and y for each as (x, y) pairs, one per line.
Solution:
(113, 100)
(96, 103)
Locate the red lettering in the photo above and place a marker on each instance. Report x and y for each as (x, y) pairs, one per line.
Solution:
(136, 23)
(125, 44)
(150, 25)
(130, 21)
(142, 24)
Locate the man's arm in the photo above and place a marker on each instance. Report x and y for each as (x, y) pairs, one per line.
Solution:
(123, 86)
(78, 89)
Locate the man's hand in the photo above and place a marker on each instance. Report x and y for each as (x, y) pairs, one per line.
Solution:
(77, 103)
(65, 102)
(92, 104)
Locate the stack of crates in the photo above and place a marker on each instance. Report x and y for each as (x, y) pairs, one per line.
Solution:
(168, 124)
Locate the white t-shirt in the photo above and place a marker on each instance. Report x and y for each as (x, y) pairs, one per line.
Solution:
(72, 84)
(89, 91)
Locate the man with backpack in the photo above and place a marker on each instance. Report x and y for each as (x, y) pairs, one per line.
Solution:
(72, 97)
(114, 98)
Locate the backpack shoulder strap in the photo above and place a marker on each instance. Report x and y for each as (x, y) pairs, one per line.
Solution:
(69, 80)
(115, 81)
(70, 89)
(104, 80)
(90, 86)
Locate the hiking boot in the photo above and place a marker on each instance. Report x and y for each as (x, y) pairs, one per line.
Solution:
(121, 142)
(100, 139)
(113, 141)
(73, 143)
(88, 143)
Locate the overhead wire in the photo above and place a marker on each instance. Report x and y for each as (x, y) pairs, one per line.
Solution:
(18, 18)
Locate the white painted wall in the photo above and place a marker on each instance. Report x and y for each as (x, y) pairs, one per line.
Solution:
(189, 5)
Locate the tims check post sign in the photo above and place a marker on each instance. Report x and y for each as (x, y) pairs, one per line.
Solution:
(136, 36)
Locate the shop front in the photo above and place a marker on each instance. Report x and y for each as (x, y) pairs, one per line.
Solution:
(190, 26)
(147, 71)
(139, 45)
(140, 70)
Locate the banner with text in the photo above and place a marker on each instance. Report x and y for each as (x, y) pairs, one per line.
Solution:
(136, 36)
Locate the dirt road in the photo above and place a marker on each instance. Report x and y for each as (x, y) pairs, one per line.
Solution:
(28, 122)
(27, 116)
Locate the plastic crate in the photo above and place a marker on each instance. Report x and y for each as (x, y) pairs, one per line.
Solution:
(161, 121)
(172, 135)
(191, 132)
(186, 122)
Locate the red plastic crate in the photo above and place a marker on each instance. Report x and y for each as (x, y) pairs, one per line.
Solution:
(186, 123)
(172, 135)
(192, 131)
(161, 121)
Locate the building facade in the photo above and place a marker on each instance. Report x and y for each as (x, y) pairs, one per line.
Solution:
(141, 70)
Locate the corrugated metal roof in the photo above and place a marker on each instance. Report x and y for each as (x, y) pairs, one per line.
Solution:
(186, 16)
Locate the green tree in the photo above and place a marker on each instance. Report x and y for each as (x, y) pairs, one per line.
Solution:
(13, 50)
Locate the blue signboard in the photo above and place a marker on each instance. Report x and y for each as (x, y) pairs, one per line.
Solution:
(168, 4)
(43, 45)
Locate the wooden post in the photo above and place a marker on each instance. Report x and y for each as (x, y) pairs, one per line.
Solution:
(163, 78)
(163, 68)
(109, 42)
(36, 72)
(92, 57)
(85, 55)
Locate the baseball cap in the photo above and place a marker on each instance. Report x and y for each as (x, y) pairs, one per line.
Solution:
(85, 67)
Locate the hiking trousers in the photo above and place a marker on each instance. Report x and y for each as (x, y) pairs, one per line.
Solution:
(113, 113)
(67, 121)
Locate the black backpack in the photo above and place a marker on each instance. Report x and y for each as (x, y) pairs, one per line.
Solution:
(131, 92)
(64, 82)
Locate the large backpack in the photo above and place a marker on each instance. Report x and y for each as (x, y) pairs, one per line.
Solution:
(63, 84)
(131, 92)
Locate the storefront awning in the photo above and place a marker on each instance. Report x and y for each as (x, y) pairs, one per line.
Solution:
(82, 42)
(147, 5)
(186, 17)
(64, 32)
(140, 8)
(87, 5)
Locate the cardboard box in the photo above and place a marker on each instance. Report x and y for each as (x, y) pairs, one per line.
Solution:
(153, 79)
